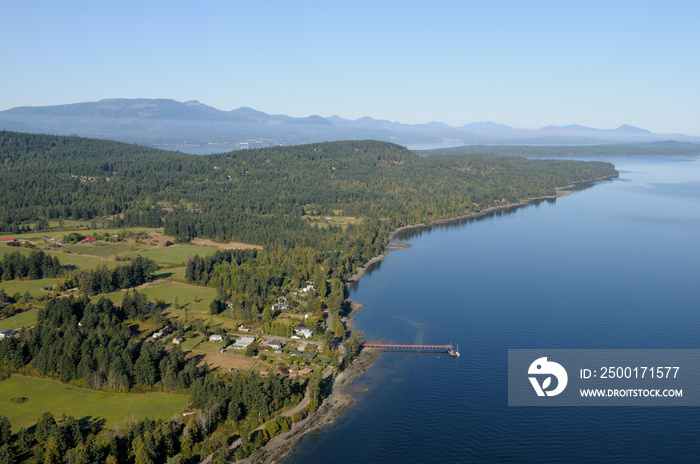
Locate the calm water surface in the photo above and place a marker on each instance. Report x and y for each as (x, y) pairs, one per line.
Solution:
(615, 265)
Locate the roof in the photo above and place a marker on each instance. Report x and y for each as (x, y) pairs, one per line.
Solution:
(7, 239)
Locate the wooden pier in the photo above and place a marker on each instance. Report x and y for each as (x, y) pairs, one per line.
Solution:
(392, 348)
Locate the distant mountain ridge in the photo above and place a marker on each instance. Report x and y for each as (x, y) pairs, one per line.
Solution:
(623, 129)
(156, 109)
(167, 122)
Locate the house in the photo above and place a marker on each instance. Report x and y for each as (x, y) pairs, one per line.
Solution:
(215, 338)
(281, 307)
(307, 289)
(6, 240)
(310, 347)
(242, 343)
(157, 334)
(88, 240)
(304, 332)
(6, 333)
(281, 304)
(308, 356)
(304, 372)
(178, 340)
(296, 353)
(243, 329)
(275, 344)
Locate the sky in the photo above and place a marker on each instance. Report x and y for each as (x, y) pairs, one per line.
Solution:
(526, 64)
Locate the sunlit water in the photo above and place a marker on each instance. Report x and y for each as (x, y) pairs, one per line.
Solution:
(616, 265)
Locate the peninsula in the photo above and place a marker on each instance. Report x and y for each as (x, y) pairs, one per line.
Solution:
(239, 337)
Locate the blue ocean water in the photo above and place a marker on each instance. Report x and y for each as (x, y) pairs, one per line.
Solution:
(616, 264)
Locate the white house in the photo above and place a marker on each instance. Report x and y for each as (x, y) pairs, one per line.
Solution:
(243, 342)
(6, 333)
(215, 338)
(306, 333)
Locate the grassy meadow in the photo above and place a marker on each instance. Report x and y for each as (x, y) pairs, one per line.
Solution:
(25, 319)
(116, 409)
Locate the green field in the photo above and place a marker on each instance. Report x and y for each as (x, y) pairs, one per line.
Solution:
(104, 249)
(172, 273)
(75, 226)
(168, 291)
(84, 260)
(117, 409)
(25, 319)
(177, 254)
(34, 287)
(22, 250)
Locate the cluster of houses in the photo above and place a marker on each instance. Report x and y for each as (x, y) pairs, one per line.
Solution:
(304, 292)
(167, 330)
(305, 372)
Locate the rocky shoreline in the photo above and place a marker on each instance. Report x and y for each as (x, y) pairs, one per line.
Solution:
(332, 407)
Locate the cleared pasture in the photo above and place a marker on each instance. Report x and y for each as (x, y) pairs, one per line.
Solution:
(115, 409)
(195, 299)
(25, 319)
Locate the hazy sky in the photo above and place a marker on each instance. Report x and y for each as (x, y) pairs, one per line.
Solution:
(522, 63)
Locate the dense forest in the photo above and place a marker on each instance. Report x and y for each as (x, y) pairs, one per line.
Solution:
(275, 197)
(259, 196)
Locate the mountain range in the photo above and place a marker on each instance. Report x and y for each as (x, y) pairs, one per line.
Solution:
(171, 124)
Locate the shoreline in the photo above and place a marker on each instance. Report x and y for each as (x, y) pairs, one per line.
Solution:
(332, 407)
(339, 398)
(393, 245)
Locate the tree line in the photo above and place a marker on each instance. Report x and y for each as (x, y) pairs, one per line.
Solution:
(104, 280)
(38, 265)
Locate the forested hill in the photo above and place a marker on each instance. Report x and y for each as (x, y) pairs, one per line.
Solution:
(667, 148)
(262, 196)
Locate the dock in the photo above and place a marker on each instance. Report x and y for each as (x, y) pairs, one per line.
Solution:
(393, 348)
